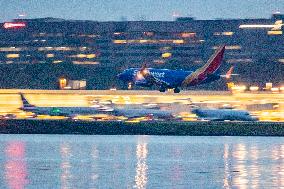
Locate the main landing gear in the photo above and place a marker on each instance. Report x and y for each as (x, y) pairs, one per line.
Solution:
(163, 89)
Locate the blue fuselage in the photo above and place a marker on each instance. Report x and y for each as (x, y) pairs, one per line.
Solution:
(170, 78)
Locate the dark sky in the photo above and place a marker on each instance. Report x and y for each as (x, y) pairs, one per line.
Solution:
(105, 10)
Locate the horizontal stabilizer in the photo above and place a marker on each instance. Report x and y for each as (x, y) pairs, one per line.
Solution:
(229, 73)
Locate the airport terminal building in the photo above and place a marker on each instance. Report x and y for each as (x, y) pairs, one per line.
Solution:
(36, 53)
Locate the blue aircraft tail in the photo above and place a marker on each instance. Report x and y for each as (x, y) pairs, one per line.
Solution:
(25, 102)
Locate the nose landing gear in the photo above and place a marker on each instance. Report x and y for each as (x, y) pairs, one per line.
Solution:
(176, 90)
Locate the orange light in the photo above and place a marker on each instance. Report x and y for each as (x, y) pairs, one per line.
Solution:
(166, 55)
(49, 55)
(274, 32)
(12, 55)
(179, 41)
(188, 34)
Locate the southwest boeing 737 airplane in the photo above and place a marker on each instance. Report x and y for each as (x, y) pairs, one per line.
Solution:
(175, 79)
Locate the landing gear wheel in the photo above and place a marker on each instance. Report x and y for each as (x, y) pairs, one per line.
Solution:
(176, 90)
(162, 89)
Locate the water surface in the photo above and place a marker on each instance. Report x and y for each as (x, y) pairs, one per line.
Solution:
(74, 161)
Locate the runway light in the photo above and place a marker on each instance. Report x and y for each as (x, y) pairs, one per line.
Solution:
(254, 88)
(274, 89)
(239, 88)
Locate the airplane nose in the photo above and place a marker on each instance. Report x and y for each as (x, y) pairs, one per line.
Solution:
(119, 76)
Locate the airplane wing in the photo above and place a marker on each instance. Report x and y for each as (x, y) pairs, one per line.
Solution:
(151, 79)
(209, 68)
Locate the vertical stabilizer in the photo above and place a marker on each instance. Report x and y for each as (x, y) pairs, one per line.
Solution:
(25, 102)
(210, 67)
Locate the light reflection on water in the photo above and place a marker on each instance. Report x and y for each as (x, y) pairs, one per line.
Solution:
(15, 165)
(62, 161)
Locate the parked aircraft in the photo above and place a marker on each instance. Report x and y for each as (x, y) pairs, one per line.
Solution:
(175, 79)
(151, 111)
(62, 111)
(143, 112)
(223, 114)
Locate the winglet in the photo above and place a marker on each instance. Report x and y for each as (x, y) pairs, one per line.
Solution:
(210, 67)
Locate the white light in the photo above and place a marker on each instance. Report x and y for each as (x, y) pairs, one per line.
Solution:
(276, 26)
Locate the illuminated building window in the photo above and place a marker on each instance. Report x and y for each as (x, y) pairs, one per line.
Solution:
(240, 60)
(90, 56)
(166, 55)
(188, 34)
(198, 62)
(229, 47)
(83, 56)
(165, 48)
(224, 33)
(49, 55)
(11, 49)
(133, 41)
(281, 60)
(62, 83)
(85, 62)
(80, 55)
(82, 48)
(63, 48)
(119, 41)
(276, 26)
(144, 41)
(180, 41)
(274, 32)
(12, 55)
(45, 48)
(93, 36)
(57, 61)
(56, 48)
(117, 33)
